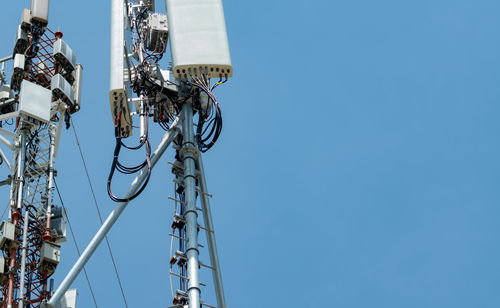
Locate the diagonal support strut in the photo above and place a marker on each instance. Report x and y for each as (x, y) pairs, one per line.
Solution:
(169, 136)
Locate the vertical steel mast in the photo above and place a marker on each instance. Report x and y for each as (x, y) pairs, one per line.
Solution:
(188, 154)
(42, 95)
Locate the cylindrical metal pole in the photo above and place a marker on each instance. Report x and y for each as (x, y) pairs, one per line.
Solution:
(50, 184)
(5, 59)
(142, 120)
(188, 154)
(17, 212)
(10, 291)
(25, 238)
(112, 218)
(212, 247)
(5, 159)
(20, 170)
(23, 258)
(6, 142)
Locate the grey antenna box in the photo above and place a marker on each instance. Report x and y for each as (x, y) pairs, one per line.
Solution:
(198, 39)
(34, 101)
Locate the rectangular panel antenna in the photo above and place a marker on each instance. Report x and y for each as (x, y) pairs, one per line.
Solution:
(119, 68)
(198, 38)
(62, 90)
(34, 101)
(18, 71)
(26, 19)
(64, 55)
(40, 11)
(21, 43)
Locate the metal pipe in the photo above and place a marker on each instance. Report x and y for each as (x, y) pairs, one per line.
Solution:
(12, 263)
(7, 181)
(17, 214)
(212, 247)
(5, 159)
(50, 184)
(5, 59)
(12, 188)
(113, 217)
(23, 258)
(142, 121)
(7, 132)
(20, 169)
(188, 154)
(58, 134)
(6, 142)
(20, 175)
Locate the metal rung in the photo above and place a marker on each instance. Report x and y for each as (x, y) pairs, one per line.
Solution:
(203, 228)
(173, 199)
(185, 278)
(176, 166)
(209, 267)
(181, 183)
(180, 276)
(209, 306)
(183, 239)
(6, 181)
(204, 193)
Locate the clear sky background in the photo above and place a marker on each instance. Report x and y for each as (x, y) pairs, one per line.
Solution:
(358, 165)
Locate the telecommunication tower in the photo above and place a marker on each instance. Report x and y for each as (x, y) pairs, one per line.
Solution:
(199, 47)
(43, 93)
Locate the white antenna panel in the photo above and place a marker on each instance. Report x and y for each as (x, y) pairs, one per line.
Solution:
(40, 11)
(198, 39)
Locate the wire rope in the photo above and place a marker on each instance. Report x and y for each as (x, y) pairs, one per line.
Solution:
(75, 242)
(99, 213)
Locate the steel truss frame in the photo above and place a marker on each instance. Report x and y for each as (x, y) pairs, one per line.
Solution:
(32, 170)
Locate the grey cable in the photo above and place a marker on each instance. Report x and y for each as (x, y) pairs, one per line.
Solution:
(76, 243)
(99, 213)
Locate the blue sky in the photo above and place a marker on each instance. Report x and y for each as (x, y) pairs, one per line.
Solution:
(358, 165)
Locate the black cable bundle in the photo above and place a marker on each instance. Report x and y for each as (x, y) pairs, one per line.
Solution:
(116, 165)
(209, 127)
(141, 88)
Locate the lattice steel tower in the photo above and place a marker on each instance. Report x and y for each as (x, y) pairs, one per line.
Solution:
(44, 92)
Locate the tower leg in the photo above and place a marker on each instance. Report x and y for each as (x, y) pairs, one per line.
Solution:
(16, 211)
(50, 182)
(212, 247)
(188, 155)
